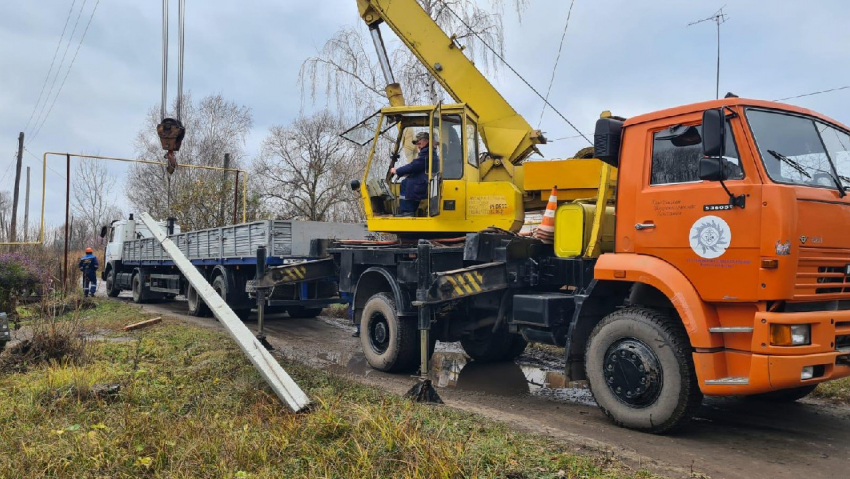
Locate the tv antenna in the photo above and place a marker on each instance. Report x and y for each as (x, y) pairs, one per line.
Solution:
(719, 18)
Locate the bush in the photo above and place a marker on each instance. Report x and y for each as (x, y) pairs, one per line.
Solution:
(18, 277)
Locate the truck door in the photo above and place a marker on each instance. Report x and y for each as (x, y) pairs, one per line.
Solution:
(688, 222)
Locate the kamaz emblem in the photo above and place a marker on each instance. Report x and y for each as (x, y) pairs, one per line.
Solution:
(803, 239)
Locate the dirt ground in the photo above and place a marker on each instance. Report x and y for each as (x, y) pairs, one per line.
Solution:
(730, 438)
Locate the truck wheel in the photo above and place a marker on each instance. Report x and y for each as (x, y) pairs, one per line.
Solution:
(389, 343)
(197, 306)
(302, 312)
(111, 290)
(486, 346)
(785, 395)
(139, 294)
(639, 367)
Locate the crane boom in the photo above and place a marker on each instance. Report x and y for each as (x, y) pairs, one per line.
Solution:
(506, 133)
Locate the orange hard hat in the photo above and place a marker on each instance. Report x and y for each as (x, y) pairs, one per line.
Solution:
(88, 250)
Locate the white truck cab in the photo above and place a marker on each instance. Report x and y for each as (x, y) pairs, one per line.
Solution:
(121, 231)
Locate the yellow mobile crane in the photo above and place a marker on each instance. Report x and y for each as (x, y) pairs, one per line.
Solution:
(472, 189)
(727, 274)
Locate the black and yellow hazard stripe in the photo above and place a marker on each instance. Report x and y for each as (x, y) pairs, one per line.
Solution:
(292, 273)
(467, 283)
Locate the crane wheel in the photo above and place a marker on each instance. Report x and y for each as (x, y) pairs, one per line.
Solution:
(639, 367)
(389, 343)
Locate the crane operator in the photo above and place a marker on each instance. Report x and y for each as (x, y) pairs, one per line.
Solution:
(415, 186)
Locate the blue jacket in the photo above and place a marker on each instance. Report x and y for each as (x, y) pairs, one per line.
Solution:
(417, 174)
(88, 264)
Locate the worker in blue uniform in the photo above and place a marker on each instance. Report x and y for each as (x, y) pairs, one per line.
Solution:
(415, 186)
(88, 266)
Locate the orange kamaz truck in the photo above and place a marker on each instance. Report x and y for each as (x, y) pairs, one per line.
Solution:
(699, 250)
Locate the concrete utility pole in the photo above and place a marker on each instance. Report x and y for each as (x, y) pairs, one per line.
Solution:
(223, 189)
(27, 207)
(12, 232)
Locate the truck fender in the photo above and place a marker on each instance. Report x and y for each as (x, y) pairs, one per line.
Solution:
(378, 280)
(696, 315)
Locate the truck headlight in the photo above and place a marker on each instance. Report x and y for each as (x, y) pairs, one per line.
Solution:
(790, 334)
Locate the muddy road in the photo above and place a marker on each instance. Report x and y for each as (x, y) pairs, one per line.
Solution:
(730, 438)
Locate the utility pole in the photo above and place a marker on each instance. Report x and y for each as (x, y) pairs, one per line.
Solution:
(223, 189)
(27, 207)
(718, 18)
(12, 232)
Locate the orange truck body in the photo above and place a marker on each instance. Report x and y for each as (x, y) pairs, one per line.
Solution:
(784, 246)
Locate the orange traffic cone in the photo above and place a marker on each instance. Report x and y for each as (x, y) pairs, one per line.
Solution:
(546, 231)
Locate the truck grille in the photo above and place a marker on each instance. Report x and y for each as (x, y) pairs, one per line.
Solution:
(820, 275)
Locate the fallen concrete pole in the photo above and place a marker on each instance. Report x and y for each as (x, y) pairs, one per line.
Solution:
(283, 385)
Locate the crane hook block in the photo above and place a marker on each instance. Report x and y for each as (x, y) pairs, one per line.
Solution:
(171, 134)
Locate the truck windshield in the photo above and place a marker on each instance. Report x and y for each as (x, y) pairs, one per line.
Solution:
(801, 150)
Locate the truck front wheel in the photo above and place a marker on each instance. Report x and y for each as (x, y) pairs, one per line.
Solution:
(389, 342)
(111, 289)
(638, 364)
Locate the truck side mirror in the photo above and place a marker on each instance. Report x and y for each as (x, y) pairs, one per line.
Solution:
(714, 133)
(711, 169)
(103, 232)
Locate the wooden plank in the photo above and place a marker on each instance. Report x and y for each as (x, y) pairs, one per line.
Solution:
(281, 383)
(143, 324)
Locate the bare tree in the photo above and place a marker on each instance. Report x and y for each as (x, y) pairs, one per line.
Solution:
(304, 170)
(346, 70)
(214, 126)
(91, 205)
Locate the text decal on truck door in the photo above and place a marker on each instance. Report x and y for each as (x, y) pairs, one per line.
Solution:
(710, 236)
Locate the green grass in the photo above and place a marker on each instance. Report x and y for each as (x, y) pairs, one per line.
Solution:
(190, 405)
(837, 391)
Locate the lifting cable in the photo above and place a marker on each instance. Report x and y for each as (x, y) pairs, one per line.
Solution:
(171, 130)
(512, 69)
(557, 59)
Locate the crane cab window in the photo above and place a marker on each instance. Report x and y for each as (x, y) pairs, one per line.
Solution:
(451, 146)
(472, 144)
(677, 150)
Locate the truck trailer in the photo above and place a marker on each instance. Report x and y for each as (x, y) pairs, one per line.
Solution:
(227, 257)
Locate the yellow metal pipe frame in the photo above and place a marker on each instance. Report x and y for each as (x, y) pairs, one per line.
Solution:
(125, 160)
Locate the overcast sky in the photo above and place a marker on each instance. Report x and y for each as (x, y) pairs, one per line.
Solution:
(627, 56)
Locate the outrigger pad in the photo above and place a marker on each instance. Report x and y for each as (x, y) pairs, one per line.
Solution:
(424, 391)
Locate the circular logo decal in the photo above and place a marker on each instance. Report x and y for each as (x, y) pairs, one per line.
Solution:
(710, 236)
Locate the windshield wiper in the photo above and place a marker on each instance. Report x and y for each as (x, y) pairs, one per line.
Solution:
(835, 179)
(790, 162)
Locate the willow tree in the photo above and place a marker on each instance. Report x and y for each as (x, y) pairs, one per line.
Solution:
(346, 72)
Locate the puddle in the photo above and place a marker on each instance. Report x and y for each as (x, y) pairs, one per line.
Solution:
(452, 368)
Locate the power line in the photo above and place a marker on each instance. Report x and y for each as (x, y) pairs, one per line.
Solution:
(513, 70)
(557, 59)
(41, 160)
(52, 62)
(68, 72)
(61, 63)
(814, 93)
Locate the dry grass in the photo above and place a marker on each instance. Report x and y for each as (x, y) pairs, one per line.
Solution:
(837, 391)
(190, 405)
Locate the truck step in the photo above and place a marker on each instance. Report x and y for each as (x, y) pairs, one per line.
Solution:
(728, 381)
(731, 329)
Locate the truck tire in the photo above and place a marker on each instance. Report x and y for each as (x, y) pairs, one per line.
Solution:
(389, 342)
(785, 395)
(140, 296)
(302, 312)
(640, 370)
(220, 286)
(486, 346)
(197, 306)
(111, 290)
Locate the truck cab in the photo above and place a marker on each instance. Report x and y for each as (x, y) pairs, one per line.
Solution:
(734, 213)
(120, 231)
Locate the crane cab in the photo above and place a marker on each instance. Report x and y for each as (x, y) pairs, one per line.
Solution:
(464, 192)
